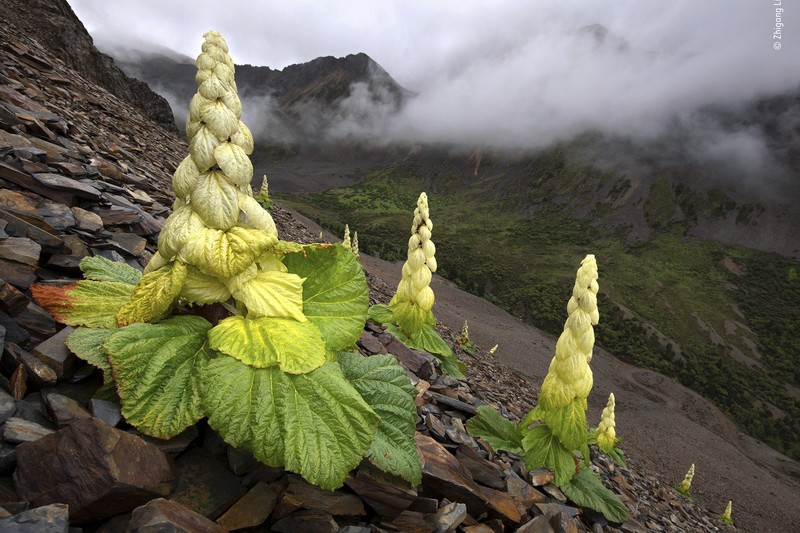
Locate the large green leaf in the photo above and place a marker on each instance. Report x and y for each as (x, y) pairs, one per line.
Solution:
(98, 268)
(272, 293)
(586, 489)
(498, 431)
(157, 368)
(315, 424)
(335, 294)
(542, 449)
(88, 303)
(87, 344)
(296, 347)
(154, 294)
(568, 423)
(428, 339)
(383, 383)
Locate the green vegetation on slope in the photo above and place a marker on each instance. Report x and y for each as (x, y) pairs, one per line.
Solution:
(675, 304)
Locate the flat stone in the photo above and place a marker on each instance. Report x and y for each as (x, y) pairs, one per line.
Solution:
(20, 203)
(167, 516)
(502, 505)
(21, 250)
(451, 402)
(118, 471)
(370, 343)
(7, 406)
(54, 353)
(108, 412)
(33, 409)
(300, 494)
(36, 320)
(418, 363)
(117, 215)
(38, 372)
(46, 519)
(251, 510)
(436, 427)
(20, 225)
(26, 180)
(63, 183)
(411, 522)
(541, 476)
(483, 471)
(87, 220)
(17, 430)
(449, 517)
(12, 301)
(540, 524)
(444, 477)
(63, 409)
(204, 485)
(386, 495)
(130, 242)
(306, 521)
(478, 528)
(16, 274)
(522, 492)
(57, 215)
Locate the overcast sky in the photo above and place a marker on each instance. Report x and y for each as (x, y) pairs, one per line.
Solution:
(508, 70)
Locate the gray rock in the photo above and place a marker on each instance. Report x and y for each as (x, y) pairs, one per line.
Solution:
(117, 471)
(63, 183)
(7, 406)
(87, 220)
(8, 457)
(166, 516)
(20, 249)
(17, 430)
(108, 412)
(204, 485)
(54, 353)
(36, 320)
(57, 215)
(47, 519)
(449, 517)
(63, 409)
(251, 510)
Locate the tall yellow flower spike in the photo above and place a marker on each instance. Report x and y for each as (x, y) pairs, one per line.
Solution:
(346, 239)
(212, 244)
(354, 245)
(606, 432)
(726, 516)
(686, 484)
(413, 301)
(562, 400)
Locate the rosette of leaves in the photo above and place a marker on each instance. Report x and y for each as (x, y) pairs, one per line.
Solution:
(554, 434)
(230, 323)
(409, 315)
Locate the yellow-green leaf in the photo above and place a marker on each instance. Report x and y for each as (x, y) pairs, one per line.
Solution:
(98, 268)
(568, 423)
(543, 449)
(203, 289)
(154, 294)
(87, 303)
(234, 163)
(296, 347)
(215, 200)
(226, 253)
(274, 294)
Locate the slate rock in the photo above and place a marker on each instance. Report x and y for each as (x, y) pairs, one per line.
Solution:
(54, 353)
(386, 495)
(522, 492)
(57, 215)
(251, 510)
(87, 220)
(46, 519)
(20, 225)
(300, 494)
(539, 524)
(12, 300)
(37, 321)
(130, 242)
(117, 471)
(449, 517)
(7, 406)
(419, 363)
(370, 343)
(17, 430)
(8, 457)
(307, 522)
(63, 409)
(108, 412)
(39, 373)
(16, 274)
(483, 471)
(204, 485)
(63, 183)
(21, 250)
(167, 516)
(13, 331)
(176, 444)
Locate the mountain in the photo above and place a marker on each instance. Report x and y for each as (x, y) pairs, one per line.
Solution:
(61, 33)
(288, 106)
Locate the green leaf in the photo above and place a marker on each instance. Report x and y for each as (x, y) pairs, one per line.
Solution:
(296, 347)
(498, 431)
(225, 254)
(428, 339)
(87, 344)
(381, 314)
(618, 456)
(88, 303)
(335, 294)
(315, 424)
(98, 268)
(383, 383)
(274, 294)
(157, 368)
(586, 490)
(154, 294)
(411, 317)
(568, 423)
(543, 449)
(203, 289)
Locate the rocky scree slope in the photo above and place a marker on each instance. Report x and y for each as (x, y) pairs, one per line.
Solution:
(83, 173)
(58, 29)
